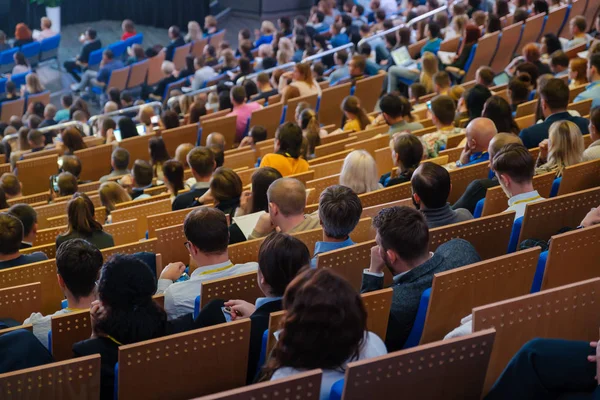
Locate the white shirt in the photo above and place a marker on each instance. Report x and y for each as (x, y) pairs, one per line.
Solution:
(202, 75)
(373, 346)
(519, 202)
(389, 6)
(42, 324)
(180, 296)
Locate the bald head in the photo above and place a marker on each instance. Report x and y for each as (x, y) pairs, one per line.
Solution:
(479, 133)
(110, 106)
(501, 140)
(216, 139)
(289, 195)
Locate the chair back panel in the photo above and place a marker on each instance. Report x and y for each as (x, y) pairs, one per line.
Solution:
(31, 199)
(371, 212)
(34, 173)
(48, 235)
(225, 125)
(198, 47)
(95, 162)
(567, 312)
(137, 147)
(10, 108)
(462, 177)
(123, 232)
(219, 354)
(555, 20)
(383, 159)
(36, 154)
(131, 248)
(486, 48)
(458, 371)
(386, 195)
(323, 183)
(368, 91)
(48, 249)
(333, 95)
(327, 169)
(140, 213)
(239, 160)
(290, 115)
(581, 176)
(138, 73)
(242, 287)
(453, 154)
(506, 46)
(118, 78)
(531, 32)
(176, 136)
(154, 68)
(340, 155)
(19, 302)
(269, 117)
(371, 145)
(455, 293)
(378, 304)
(332, 148)
(164, 220)
(180, 54)
(171, 244)
(68, 329)
(304, 177)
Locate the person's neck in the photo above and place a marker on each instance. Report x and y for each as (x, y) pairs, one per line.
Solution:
(8, 257)
(333, 240)
(579, 35)
(29, 238)
(396, 120)
(82, 303)
(552, 112)
(518, 189)
(595, 78)
(405, 266)
(289, 223)
(201, 178)
(204, 260)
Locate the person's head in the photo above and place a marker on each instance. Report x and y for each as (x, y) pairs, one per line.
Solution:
(501, 140)
(11, 234)
(431, 186)
(90, 34)
(125, 289)
(167, 68)
(310, 338)
(11, 185)
(182, 152)
(261, 180)
(225, 185)
(498, 110)
(207, 232)
(494, 24)
(484, 76)
(67, 184)
(128, 26)
(519, 88)
(127, 128)
(577, 69)
(479, 18)
(197, 110)
(550, 44)
(238, 95)
(66, 100)
(565, 145)
(19, 58)
(416, 91)
(514, 166)
(170, 119)
(110, 106)
(353, 110)
(520, 15)
(285, 23)
(339, 211)
(287, 199)
(578, 25)
(407, 152)
(46, 23)
(111, 194)
(357, 66)
(475, 98)
(202, 162)
(33, 84)
(119, 159)
(392, 108)
(540, 7)
(173, 175)
(71, 164)
(28, 217)
(341, 57)
(559, 62)
(142, 173)
(531, 53)
(219, 154)
(80, 213)
(359, 172)
(472, 34)
(216, 139)
(72, 139)
(36, 139)
(288, 140)
(554, 97)
(22, 32)
(210, 23)
(174, 32)
(441, 82)
(594, 126)
(158, 150)
(479, 133)
(107, 55)
(11, 88)
(78, 264)
(442, 111)
(302, 72)
(593, 73)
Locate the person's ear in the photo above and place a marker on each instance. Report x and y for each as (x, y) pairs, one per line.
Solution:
(505, 179)
(61, 282)
(34, 228)
(391, 256)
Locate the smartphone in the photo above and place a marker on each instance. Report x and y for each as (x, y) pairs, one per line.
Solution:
(155, 120)
(54, 183)
(227, 312)
(117, 133)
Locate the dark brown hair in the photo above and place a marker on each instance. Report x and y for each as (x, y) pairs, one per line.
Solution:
(403, 230)
(72, 139)
(206, 228)
(515, 161)
(280, 258)
(339, 211)
(173, 172)
(80, 213)
(351, 104)
(225, 184)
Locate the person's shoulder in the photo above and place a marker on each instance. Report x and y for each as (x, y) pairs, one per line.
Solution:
(458, 248)
(463, 214)
(373, 346)
(35, 257)
(251, 266)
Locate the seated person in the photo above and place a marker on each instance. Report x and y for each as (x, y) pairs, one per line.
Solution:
(123, 314)
(241, 110)
(431, 188)
(100, 78)
(82, 225)
(67, 185)
(308, 334)
(518, 90)
(395, 112)
(593, 150)
(403, 247)
(202, 162)
(119, 160)
(563, 148)
(479, 132)
(514, 168)
(36, 140)
(280, 258)
(257, 134)
(208, 237)
(442, 111)
(11, 186)
(168, 70)
(407, 153)
(28, 218)
(90, 43)
(287, 156)
(20, 350)
(592, 91)
(287, 200)
(339, 213)
(78, 264)
(140, 178)
(11, 236)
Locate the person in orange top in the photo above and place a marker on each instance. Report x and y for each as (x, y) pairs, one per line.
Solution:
(286, 159)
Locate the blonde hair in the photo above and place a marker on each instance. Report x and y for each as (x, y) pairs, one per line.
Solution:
(456, 92)
(283, 57)
(359, 172)
(33, 84)
(194, 31)
(46, 23)
(111, 194)
(566, 146)
(210, 21)
(267, 28)
(429, 68)
(459, 23)
(146, 114)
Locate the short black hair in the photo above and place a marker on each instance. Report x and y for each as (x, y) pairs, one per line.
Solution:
(289, 136)
(556, 93)
(339, 211)
(92, 33)
(342, 55)
(11, 233)
(108, 53)
(594, 61)
(26, 215)
(403, 230)
(280, 258)
(142, 173)
(258, 133)
(120, 158)
(78, 263)
(219, 154)
(360, 9)
(365, 49)
(431, 182)
(206, 228)
(66, 99)
(434, 29)
(391, 105)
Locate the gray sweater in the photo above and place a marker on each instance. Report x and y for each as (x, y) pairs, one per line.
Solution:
(443, 216)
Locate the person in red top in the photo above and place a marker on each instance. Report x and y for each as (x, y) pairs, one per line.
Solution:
(128, 28)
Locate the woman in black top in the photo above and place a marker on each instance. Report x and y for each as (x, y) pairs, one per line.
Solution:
(82, 225)
(470, 38)
(407, 154)
(498, 110)
(226, 189)
(125, 313)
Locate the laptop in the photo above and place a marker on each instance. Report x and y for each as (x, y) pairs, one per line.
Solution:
(141, 130)
(501, 79)
(402, 57)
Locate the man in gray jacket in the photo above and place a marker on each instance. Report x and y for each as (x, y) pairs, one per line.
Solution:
(403, 247)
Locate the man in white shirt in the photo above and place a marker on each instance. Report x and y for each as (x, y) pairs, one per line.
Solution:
(204, 73)
(78, 263)
(208, 236)
(514, 166)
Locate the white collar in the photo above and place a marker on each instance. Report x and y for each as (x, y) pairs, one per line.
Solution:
(524, 198)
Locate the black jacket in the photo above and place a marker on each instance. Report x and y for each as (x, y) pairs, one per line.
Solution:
(170, 49)
(473, 193)
(186, 200)
(87, 48)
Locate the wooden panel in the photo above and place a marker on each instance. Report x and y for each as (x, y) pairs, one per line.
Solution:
(371, 212)
(489, 235)
(123, 232)
(131, 248)
(568, 312)
(526, 108)
(19, 302)
(34, 173)
(47, 236)
(323, 183)
(290, 114)
(89, 187)
(268, 117)
(27, 327)
(43, 272)
(378, 304)
(581, 176)
(10, 108)
(458, 371)
(333, 148)
(572, 257)
(224, 125)
(453, 154)
(68, 329)
(328, 168)
(176, 136)
(341, 155)
(302, 386)
(329, 113)
(582, 107)
(48, 249)
(238, 287)
(555, 20)
(371, 145)
(386, 195)
(139, 202)
(137, 147)
(384, 161)
(171, 244)
(545, 218)
(486, 48)
(170, 218)
(245, 159)
(506, 46)
(219, 354)
(496, 200)
(371, 132)
(462, 177)
(368, 91)
(531, 32)
(36, 154)
(304, 176)
(335, 137)
(140, 213)
(67, 380)
(455, 293)
(4, 167)
(62, 220)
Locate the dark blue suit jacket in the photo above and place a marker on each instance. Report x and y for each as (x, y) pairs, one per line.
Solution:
(186, 200)
(533, 135)
(170, 49)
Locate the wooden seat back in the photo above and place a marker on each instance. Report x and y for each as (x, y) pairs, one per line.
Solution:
(371, 145)
(138, 73)
(163, 220)
(290, 114)
(36, 154)
(323, 183)
(332, 148)
(131, 248)
(154, 69)
(340, 155)
(148, 369)
(580, 176)
(567, 312)
(225, 125)
(486, 48)
(10, 108)
(176, 136)
(123, 232)
(531, 32)
(140, 213)
(241, 287)
(386, 195)
(137, 147)
(555, 20)
(180, 54)
(368, 91)
(462, 177)
(31, 199)
(49, 249)
(456, 292)
(583, 107)
(333, 96)
(198, 47)
(68, 329)
(33, 173)
(19, 302)
(239, 160)
(95, 162)
(118, 79)
(506, 46)
(328, 168)
(170, 244)
(527, 108)
(268, 117)
(371, 212)
(453, 154)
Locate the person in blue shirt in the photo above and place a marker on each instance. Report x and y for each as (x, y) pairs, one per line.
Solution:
(265, 35)
(341, 69)
(339, 211)
(433, 31)
(371, 67)
(479, 133)
(11, 236)
(300, 47)
(101, 77)
(337, 37)
(592, 91)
